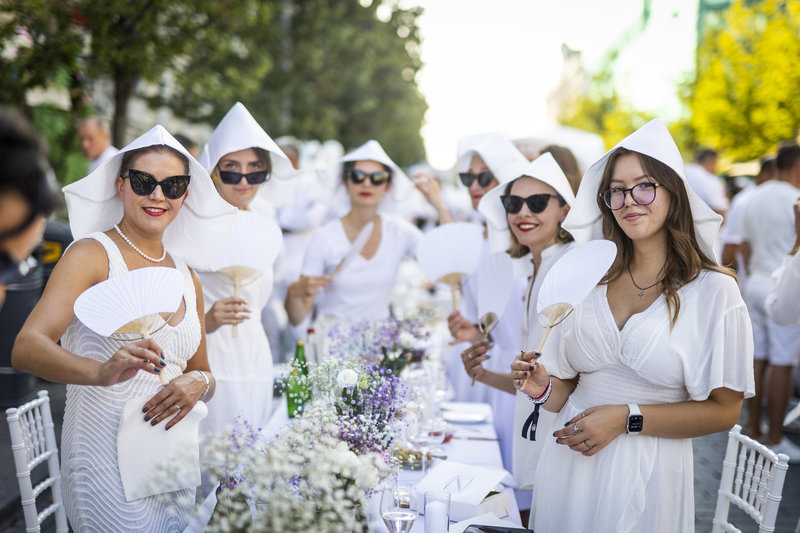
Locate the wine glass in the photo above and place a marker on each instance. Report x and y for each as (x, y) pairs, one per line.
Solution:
(424, 436)
(396, 508)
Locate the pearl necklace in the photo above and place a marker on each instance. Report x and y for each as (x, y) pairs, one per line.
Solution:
(138, 251)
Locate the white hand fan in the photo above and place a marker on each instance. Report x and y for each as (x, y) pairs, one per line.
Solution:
(570, 280)
(131, 303)
(252, 245)
(450, 252)
(495, 281)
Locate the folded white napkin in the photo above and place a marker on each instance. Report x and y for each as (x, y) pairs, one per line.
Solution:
(177, 452)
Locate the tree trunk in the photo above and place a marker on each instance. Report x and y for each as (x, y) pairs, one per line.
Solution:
(124, 81)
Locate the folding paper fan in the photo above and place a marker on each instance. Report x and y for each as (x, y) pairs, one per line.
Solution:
(495, 281)
(251, 246)
(131, 303)
(571, 279)
(450, 252)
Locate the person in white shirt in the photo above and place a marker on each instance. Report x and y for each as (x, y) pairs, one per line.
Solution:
(768, 231)
(361, 289)
(95, 139)
(782, 304)
(733, 253)
(704, 181)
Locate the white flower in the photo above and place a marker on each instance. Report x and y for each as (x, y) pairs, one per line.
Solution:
(347, 378)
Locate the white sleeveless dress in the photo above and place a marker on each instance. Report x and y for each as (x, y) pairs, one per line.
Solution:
(92, 487)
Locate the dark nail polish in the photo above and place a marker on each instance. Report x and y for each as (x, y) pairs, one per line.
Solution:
(537, 354)
(145, 361)
(147, 418)
(554, 434)
(526, 373)
(531, 367)
(167, 428)
(154, 422)
(156, 369)
(162, 355)
(163, 363)
(144, 409)
(566, 423)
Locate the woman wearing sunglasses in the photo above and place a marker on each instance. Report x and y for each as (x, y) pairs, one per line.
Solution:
(240, 157)
(358, 285)
(524, 217)
(138, 209)
(661, 351)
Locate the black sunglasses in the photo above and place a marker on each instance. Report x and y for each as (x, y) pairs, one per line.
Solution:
(376, 178)
(642, 194)
(536, 202)
(253, 178)
(144, 183)
(484, 178)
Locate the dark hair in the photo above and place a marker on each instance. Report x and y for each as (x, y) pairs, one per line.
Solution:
(685, 259)
(705, 153)
(350, 165)
(517, 250)
(23, 164)
(185, 141)
(767, 165)
(788, 156)
(569, 165)
(129, 158)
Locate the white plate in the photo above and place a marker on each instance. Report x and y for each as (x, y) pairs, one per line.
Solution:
(460, 417)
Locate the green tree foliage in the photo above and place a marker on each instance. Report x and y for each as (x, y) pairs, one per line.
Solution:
(338, 72)
(745, 98)
(602, 111)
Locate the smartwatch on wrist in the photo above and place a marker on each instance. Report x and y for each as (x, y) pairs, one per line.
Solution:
(635, 419)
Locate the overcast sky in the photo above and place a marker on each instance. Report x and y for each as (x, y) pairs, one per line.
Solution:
(489, 64)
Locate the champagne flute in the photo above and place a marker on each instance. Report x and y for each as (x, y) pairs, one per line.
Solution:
(396, 508)
(424, 436)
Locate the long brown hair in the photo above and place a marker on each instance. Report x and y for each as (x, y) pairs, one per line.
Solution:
(685, 259)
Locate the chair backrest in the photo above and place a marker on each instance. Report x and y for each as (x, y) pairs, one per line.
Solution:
(752, 479)
(33, 441)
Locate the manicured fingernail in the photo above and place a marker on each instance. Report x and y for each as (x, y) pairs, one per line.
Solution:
(162, 355)
(163, 363)
(145, 361)
(144, 409)
(554, 434)
(526, 373)
(530, 367)
(156, 369)
(167, 428)
(147, 418)
(154, 422)
(566, 423)
(537, 354)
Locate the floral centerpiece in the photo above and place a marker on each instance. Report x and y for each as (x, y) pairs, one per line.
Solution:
(305, 479)
(389, 342)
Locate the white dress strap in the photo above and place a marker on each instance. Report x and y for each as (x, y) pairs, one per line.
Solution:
(116, 264)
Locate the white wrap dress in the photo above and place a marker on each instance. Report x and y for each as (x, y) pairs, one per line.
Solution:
(640, 483)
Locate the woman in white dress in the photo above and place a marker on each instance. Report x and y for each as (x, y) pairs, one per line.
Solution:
(659, 352)
(132, 212)
(240, 157)
(524, 217)
(362, 288)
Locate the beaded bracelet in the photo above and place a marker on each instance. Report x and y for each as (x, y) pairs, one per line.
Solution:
(208, 383)
(545, 395)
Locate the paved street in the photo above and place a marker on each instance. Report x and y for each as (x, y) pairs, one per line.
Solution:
(708, 455)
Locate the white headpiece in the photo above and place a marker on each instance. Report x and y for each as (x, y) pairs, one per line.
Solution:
(501, 156)
(545, 169)
(331, 188)
(238, 130)
(584, 221)
(194, 234)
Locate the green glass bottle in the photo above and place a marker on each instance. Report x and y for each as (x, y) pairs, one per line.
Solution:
(298, 392)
